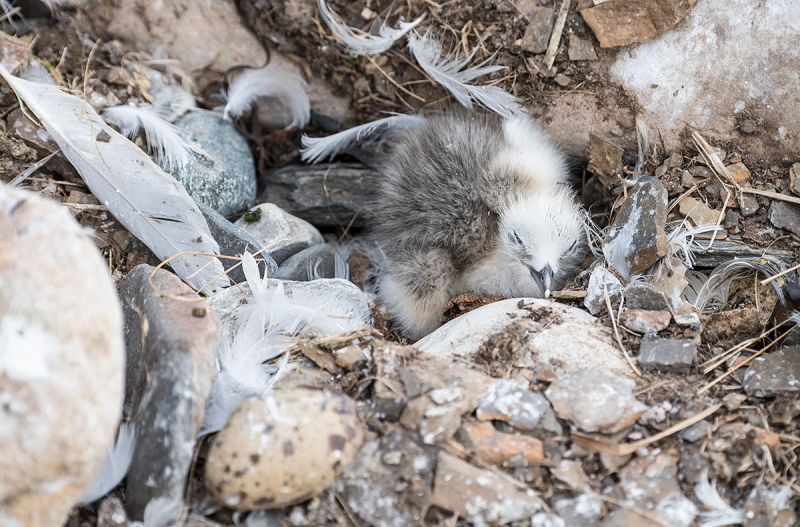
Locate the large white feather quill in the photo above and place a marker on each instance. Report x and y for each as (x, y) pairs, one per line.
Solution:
(316, 149)
(163, 140)
(150, 203)
(115, 466)
(358, 42)
(453, 75)
(273, 80)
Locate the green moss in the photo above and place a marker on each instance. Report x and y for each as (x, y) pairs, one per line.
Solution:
(252, 216)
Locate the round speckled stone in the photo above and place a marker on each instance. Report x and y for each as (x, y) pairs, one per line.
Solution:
(278, 451)
(225, 180)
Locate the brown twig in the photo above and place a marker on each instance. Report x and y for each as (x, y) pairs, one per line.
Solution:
(390, 79)
(555, 36)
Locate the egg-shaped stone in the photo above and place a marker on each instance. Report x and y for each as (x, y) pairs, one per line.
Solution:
(283, 449)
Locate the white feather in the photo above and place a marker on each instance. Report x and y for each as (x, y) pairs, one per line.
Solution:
(115, 466)
(358, 42)
(170, 150)
(720, 513)
(714, 292)
(273, 80)
(316, 149)
(680, 241)
(453, 75)
(147, 201)
(160, 512)
(38, 72)
(25, 174)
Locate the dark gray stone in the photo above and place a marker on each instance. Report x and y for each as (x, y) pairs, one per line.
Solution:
(369, 485)
(774, 373)
(785, 215)
(42, 142)
(233, 241)
(318, 261)
(667, 355)
(537, 34)
(748, 203)
(281, 234)
(696, 432)
(580, 49)
(515, 406)
(172, 347)
(636, 240)
(225, 178)
(645, 296)
(723, 251)
(327, 195)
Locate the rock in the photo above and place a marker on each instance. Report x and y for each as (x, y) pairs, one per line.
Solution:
(723, 251)
(478, 495)
(637, 239)
(498, 448)
(225, 178)
(580, 49)
(584, 510)
(281, 233)
(748, 126)
(62, 360)
(672, 87)
(733, 401)
(739, 172)
(649, 483)
(327, 195)
(318, 261)
(111, 513)
(602, 281)
(605, 159)
(794, 182)
(225, 302)
(644, 320)
(688, 320)
(619, 23)
(667, 355)
(172, 349)
(647, 297)
(572, 474)
(785, 215)
(748, 203)
(234, 241)
(698, 212)
(520, 408)
(283, 449)
(774, 373)
(562, 80)
(537, 34)
(369, 485)
(171, 28)
(565, 338)
(42, 142)
(595, 400)
(697, 431)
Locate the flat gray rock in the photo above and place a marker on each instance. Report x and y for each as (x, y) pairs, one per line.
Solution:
(646, 296)
(506, 402)
(169, 373)
(774, 373)
(637, 239)
(318, 261)
(667, 355)
(785, 215)
(537, 34)
(234, 241)
(645, 321)
(327, 194)
(563, 338)
(602, 281)
(225, 180)
(282, 234)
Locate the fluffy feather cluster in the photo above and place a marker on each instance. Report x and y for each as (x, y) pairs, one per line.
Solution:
(268, 325)
(275, 81)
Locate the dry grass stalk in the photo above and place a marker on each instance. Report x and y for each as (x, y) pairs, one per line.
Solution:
(624, 449)
(555, 36)
(712, 364)
(616, 332)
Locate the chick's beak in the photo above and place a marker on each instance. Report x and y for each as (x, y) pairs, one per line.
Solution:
(543, 278)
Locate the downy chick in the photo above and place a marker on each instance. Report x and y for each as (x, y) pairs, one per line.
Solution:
(468, 202)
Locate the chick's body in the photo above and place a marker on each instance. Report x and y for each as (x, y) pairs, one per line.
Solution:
(469, 202)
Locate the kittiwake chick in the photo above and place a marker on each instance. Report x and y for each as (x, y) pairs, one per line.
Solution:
(467, 202)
